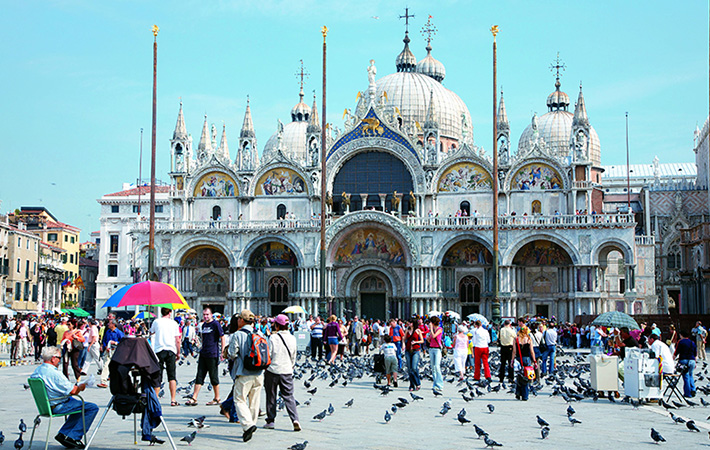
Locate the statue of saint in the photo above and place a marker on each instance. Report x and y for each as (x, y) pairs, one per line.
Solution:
(395, 201)
(346, 199)
(412, 201)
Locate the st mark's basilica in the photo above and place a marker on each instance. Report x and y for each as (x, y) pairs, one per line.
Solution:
(409, 210)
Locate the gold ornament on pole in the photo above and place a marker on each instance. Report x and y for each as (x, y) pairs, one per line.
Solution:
(494, 30)
(155, 30)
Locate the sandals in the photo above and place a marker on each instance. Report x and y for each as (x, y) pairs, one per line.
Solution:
(174, 404)
(191, 402)
(214, 401)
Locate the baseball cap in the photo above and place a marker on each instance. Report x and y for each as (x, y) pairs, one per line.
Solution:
(247, 315)
(281, 319)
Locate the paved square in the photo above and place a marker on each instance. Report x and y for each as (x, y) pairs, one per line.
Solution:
(418, 425)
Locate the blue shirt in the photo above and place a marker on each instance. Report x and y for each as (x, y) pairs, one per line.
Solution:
(115, 335)
(57, 384)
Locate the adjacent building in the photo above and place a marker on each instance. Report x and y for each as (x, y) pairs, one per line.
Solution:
(23, 276)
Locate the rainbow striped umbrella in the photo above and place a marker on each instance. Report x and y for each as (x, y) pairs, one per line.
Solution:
(144, 315)
(147, 293)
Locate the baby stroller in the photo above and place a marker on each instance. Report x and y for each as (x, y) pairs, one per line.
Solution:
(134, 373)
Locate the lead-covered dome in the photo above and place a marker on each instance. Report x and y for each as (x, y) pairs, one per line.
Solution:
(555, 129)
(431, 66)
(411, 93)
(293, 138)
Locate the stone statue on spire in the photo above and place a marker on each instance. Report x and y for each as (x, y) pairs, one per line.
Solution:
(371, 73)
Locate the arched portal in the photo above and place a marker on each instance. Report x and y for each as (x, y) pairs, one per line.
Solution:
(372, 173)
(373, 291)
(271, 274)
(205, 275)
(469, 295)
(278, 294)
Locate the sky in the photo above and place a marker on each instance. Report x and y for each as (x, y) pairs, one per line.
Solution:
(76, 76)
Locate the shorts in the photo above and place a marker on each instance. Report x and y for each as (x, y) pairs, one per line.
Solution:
(205, 365)
(332, 340)
(391, 365)
(166, 358)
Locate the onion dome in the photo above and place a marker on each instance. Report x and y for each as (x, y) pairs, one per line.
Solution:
(558, 100)
(406, 62)
(301, 112)
(431, 67)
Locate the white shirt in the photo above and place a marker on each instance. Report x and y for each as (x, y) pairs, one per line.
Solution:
(660, 349)
(283, 357)
(481, 337)
(165, 330)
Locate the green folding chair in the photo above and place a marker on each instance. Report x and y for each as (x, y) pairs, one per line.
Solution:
(39, 393)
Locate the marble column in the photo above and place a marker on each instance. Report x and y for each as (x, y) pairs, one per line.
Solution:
(383, 197)
(363, 197)
(399, 206)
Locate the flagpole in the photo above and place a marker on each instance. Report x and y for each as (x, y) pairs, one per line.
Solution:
(151, 235)
(628, 174)
(322, 305)
(495, 306)
(140, 173)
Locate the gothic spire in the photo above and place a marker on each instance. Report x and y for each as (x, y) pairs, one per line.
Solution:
(431, 113)
(248, 125)
(313, 122)
(205, 142)
(223, 147)
(502, 115)
(180, 129)
(580, 110)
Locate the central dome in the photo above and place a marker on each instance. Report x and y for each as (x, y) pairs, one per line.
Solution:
(411, 91)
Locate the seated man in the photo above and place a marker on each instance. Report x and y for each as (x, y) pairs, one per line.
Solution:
(59, 386)
(661, 350)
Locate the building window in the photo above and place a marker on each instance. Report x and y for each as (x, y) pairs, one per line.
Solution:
(52, 237)
(469, 290)
(27, 268)
(19, 242)
(34, 268)
(112, 270)
(113, 243)
(28, 244)
(71, 259)
(216, 213)
(278, 290)
(19, 265)
(465, 206)
(158, 208)
(66, 238)
(114, 208)
(71, 239)
(18, 291)
(281, 212)
(136, 209)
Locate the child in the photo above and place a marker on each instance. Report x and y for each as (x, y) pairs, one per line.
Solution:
(391, 364)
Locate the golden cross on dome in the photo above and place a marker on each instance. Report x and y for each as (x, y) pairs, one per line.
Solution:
(429, 30)
(557, 66)
(302, 74)
(406, 18)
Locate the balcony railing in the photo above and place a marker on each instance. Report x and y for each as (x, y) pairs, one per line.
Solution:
(645, 240)
(233, 225)
(697, 233)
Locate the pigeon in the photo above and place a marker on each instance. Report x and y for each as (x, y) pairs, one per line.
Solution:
(22, 427)
(331, 410)
(437, 393)
(690, 403)
(491, 408)
(703, 402)
(415, 397)
(656, 436)
(19, 443)
(197, 423)
(313, 391)
(321, 415)
(26, 386)
(298, 446)
(691, 426)
(189, 438)
(403, 400)
(572, 420)
(542, 422)
(307, 384)
(666, 405)
(677, 419)
(676, 404)
(635, 403)
(570, 411)
(307, 402)
(2, 438)
(444, 410)
(388, 417)
(462, 418)
(349, 403)
(490, 442)
(479, 431)
(544, 432)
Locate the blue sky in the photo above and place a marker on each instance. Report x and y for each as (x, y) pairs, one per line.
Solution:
(76, 76)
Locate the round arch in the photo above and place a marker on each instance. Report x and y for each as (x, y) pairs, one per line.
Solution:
(602, 250)
(478, 176)
(291, 169)
(353, 276)
(337, 160)
(448, 245)
(368, 241)
(540, 161)
(189, 246)
(507, 259)
(201, 175)
(248, 250)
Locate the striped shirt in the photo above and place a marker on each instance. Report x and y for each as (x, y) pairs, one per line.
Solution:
(317, 331)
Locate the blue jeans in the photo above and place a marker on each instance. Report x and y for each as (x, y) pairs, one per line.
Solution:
(398, 344)
(688, 381)
(73, 427)
(435, 361)
(413, 358)
(549, 353)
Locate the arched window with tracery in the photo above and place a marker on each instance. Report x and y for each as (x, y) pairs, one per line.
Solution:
(673, 256)
(469, 290)
(278, 290)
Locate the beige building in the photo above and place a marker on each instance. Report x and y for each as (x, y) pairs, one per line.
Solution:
(23, 254)
(4, 257)
(43, 224)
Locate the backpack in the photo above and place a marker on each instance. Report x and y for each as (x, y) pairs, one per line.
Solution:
(259, 356)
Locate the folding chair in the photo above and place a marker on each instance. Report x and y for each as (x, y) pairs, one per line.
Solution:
(672, 388)
(39, 393)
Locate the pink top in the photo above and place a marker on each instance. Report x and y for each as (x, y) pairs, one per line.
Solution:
(461, 343)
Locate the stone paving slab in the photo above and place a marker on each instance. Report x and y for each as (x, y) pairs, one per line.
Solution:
(417, 426)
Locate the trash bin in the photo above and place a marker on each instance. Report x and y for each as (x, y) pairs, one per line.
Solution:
(604, 372)
(303, 339)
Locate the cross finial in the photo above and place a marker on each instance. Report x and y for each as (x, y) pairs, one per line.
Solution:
(302, 74)
(557, 66)
(429, 30)
(406, 18)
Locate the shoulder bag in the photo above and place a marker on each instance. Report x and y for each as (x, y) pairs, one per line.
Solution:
(528, 371)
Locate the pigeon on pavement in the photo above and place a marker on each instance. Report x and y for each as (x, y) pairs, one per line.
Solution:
(298, 446)
(189, 438)
(656, 436)
(490, 442)
(542, 422)
(545, 432)
(388, 417)
(691, 426)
